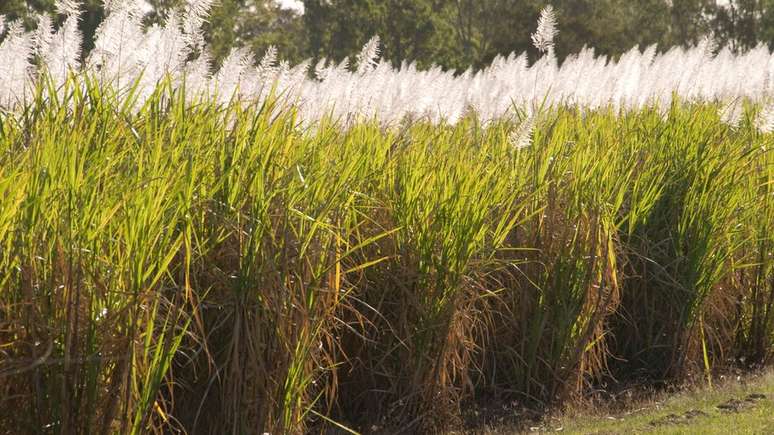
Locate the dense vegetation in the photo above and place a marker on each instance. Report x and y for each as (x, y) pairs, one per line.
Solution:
(267, 248)
(187, 265)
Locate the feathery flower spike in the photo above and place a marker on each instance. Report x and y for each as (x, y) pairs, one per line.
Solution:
(543, 38)
(199, 8)
(67, 7)
(43, 34)
(269, 60)
(707, 45)
(367, 59)
(765, 120)
(522, 137)
(731, 114)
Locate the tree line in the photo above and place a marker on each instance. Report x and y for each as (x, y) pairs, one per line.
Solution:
(455, 34)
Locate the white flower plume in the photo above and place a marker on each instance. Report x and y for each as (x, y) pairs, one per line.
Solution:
(194, 16)
(127, 53)
(198, 8)
(707, 45)
(43, 34)
(67, 7)
(15, 69)
(63, 51)
(368, 57)
(731, 113)
(321, 69)
(543, 38)
(268, 62)
(521, 137)
(764, 122)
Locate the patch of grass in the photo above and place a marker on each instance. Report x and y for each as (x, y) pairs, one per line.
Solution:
(744, 406)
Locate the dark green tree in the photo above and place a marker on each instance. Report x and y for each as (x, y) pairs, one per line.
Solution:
(766, 26)
(26, 10)
(454, 34)
(743, 23)
(338, 28)
(254, 24)
(690, 20)
(462, 33)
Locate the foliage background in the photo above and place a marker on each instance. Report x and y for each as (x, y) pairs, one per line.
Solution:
(451, 33)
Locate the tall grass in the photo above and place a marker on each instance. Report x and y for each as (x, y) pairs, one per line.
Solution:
(174, 264)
